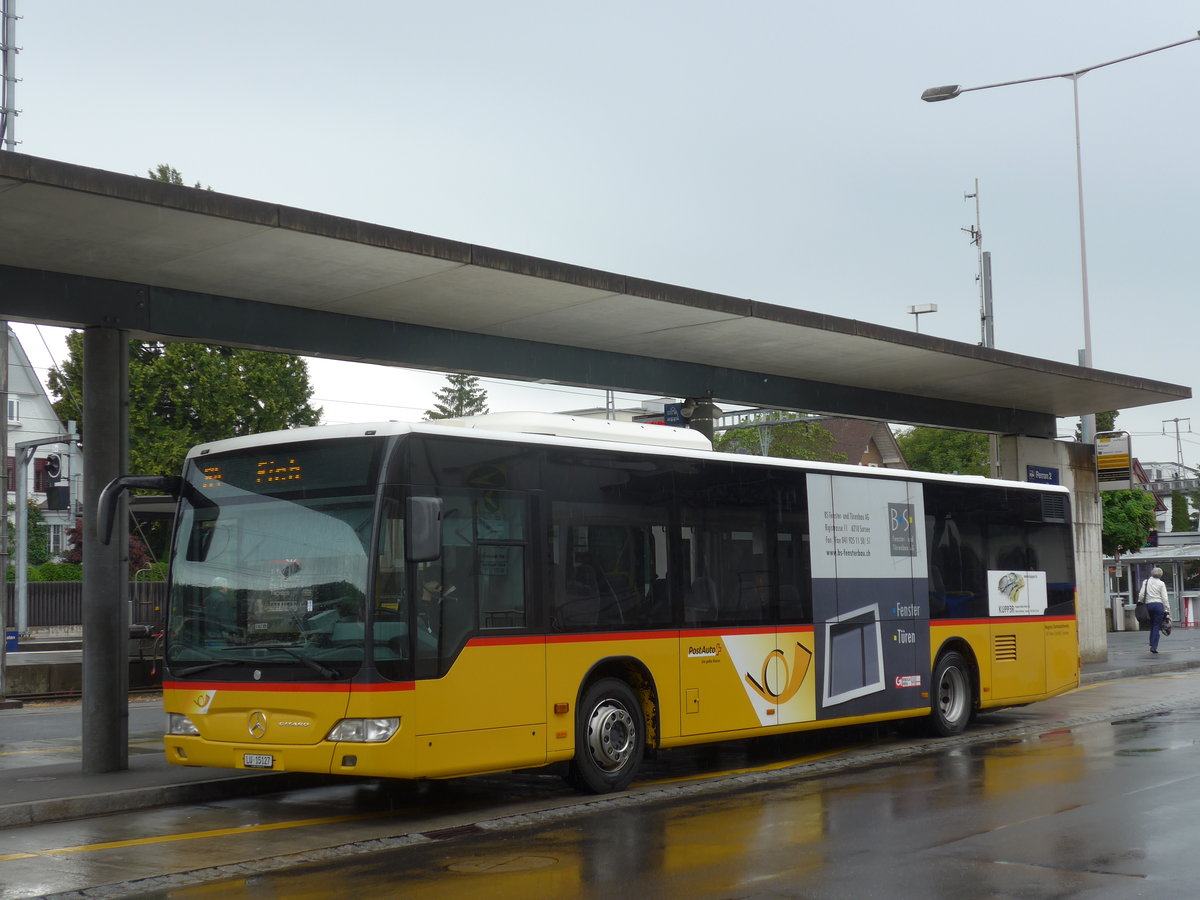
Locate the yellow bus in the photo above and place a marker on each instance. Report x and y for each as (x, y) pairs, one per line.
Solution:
(442, 599)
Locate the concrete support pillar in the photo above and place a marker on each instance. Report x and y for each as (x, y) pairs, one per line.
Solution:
(105, 569)
(1076, 465)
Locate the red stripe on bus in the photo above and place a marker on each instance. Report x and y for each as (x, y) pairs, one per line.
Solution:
(690, 633)
(507, 640)
(289, 687)
(611, 636)
(997, 620)
(745, 629)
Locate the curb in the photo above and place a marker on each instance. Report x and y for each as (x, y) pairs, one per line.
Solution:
(62, 809)
(1137, 671)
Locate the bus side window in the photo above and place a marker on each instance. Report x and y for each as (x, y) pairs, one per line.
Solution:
(793, 565)
(390, 589)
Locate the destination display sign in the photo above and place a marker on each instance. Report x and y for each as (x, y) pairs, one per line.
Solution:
(316, 466)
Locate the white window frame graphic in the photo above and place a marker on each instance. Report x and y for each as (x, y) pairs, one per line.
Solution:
(871, 615)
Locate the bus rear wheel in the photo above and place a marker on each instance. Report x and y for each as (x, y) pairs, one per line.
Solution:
(610, 737)
(951, 706)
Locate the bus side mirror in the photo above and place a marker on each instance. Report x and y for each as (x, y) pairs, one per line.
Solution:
(107, 505)
(423, 533)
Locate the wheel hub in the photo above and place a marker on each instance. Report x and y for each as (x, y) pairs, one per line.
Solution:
(610, 735)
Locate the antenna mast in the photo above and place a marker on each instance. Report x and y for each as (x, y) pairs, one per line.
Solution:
(1178, 440)
(8, 87)
(987, 334)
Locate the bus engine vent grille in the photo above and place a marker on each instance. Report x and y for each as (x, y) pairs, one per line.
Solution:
(1004, 647)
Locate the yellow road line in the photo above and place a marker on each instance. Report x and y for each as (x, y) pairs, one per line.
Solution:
(196, 835)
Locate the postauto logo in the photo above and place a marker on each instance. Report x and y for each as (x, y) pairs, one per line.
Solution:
(793, 675)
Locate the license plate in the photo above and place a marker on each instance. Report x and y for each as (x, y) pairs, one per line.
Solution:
(258, 761)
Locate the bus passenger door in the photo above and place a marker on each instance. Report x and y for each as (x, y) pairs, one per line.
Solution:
(481, 676)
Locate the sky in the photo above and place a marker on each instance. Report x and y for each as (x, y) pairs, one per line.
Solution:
(772, 150)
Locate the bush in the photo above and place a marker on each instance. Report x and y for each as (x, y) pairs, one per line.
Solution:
(53, 571)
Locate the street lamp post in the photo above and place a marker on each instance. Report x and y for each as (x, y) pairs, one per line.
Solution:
(949, 92)
(917, 311)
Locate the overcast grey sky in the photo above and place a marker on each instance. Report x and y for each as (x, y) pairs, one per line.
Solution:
(771, 150)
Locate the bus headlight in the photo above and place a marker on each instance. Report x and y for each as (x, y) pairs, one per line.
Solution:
(178, 723)
(364, 731)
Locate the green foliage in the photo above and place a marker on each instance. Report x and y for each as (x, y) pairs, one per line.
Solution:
(153, 572)
(1181, 517)
(1128, 521)
(789, 440)
(1105, 421)
(181, 395)
(461, 396)
(168, 174)
(49, 571)
(940, 450)
(53, 571)
(38, 534)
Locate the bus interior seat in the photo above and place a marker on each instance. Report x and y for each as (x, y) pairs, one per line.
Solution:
(580, 602)
(659, 601)
(700, 602)
(349, 631)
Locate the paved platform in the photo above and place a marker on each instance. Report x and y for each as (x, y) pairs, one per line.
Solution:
(32, 791)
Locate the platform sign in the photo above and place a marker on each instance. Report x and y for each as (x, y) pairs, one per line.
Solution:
(1042, 475)
(1114, 462)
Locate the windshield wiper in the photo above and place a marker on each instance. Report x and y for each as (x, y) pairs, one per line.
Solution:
(204, 667)
(322, 670)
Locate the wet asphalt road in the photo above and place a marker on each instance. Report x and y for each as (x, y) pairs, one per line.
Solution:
(1090, 795)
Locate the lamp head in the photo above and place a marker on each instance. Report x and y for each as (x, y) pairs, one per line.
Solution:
(945, 92)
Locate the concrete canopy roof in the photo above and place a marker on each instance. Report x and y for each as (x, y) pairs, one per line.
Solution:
(82, 247)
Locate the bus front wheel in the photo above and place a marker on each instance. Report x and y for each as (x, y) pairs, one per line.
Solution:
(951, 707)
(610, 737)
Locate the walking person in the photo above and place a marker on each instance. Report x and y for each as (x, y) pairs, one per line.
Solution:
(1154, 592)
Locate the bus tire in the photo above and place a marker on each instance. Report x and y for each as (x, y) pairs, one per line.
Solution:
(610, 737)
(951, 705)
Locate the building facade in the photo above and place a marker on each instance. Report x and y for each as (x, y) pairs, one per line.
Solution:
(54, 471)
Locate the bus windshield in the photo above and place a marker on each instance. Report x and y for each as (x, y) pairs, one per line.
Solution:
(270, 558)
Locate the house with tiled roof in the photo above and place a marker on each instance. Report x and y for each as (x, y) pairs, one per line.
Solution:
(865, 443)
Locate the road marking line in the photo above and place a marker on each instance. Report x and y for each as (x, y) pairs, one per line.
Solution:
(195, 835)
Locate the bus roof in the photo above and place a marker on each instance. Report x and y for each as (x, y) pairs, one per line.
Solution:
(556, 429)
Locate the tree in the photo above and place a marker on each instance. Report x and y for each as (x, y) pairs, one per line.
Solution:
(181, 395)
(140, 556)
(37, 534)
(1181, 517)
(941, 450)
(461, 396)
(167, 174)
(1128, 521)
(787, 440)
(1105, 421)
